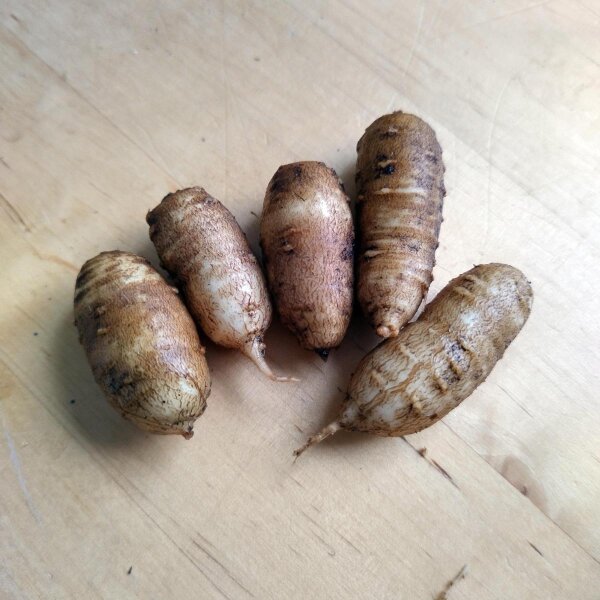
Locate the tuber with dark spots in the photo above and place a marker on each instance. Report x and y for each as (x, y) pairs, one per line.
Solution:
(307, 239)
(141, 343)
(400, 187)
(411, 381)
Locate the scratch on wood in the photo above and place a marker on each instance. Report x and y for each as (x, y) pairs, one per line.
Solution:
(205, 540)
(311, 519)
(223, 567)
(535, 548)
(13, 213)
(416, 40)
(99, 189)
(16, 466)
(515, 400)
(183, 552)
(443, 595)
(330, 549)
(59, 261)
(422, 452)
(296, 482)
(444, 473)
(349, 542)
(489, 157)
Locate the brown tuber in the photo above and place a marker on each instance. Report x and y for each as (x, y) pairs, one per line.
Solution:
(141, 343)
(307, 239)
(400, 187)
(202, 246)
(409, 382)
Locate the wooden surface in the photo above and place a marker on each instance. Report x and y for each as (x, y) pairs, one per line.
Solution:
(106, 107)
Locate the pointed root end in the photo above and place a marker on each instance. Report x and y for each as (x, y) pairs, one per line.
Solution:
(323, 353)
(386, 331)
(188, 434)
(318, 437)
(255, 351)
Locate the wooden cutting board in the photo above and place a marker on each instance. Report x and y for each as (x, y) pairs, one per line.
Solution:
(105, 108)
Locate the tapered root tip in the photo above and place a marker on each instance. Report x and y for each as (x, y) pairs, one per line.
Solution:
(323, 353)
(386, 331)
(255, 351)
(318, 437)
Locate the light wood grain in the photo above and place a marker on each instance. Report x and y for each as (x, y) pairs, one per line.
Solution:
(106, 108)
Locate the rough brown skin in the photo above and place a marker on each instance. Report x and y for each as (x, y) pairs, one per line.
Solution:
(410, 382)
(141, 343)
(400, 187)
(307, 239)
(202, 246)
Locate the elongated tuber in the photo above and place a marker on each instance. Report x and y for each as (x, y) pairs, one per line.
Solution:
(202, 246)
(410, 382)
(400, 189)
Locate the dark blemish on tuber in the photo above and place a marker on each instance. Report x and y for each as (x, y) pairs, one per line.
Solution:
(456, 352)
(72, 401)
(387, 170)
(116, 380)
(35, 333)
(348, 252)
(129, 570)
(82, 278)
(277, 184)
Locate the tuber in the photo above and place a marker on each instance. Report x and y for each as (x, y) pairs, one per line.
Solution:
(201, 245)
(400, 187)
(307, 239)
(141, 343)
(411, 381)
